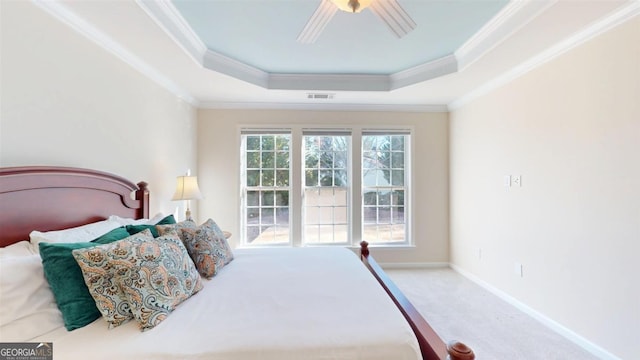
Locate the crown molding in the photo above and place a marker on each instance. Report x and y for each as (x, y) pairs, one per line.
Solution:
(164, 13)
(325, 106)
(234, 68)
(503, 25)
(431, 70)
(510, 19)
(60, 12)
(329, 82)
(169, 19)
(614, 19)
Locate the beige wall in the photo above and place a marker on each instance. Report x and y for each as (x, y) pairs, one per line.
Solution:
(66, 101)
(219, 169)
(571, 128)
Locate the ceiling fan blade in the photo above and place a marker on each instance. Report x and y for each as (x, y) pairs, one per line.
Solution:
(317, 22)
(398, 21)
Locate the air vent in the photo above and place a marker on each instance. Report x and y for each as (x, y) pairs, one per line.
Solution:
(320, 96)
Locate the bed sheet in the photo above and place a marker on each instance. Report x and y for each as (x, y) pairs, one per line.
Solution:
(269, 303)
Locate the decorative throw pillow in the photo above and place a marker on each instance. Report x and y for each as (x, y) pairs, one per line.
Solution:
(221, 240)
(160, 277)
(65, 278)
(186, 224)
(134, 229)
(207, 247)
(100, 267)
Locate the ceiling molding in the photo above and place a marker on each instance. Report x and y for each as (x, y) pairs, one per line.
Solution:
(239, 70)
(329, 82)
(614, 19)
(431, 70)
(325, 106)
(169, 19)
(503, 25)
(510, 19)
(60, 12)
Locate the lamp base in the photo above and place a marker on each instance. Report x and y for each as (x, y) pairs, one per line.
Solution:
(187, 215)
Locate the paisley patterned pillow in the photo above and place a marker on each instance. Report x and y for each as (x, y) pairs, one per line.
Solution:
(220, 240)
(186, 224)
(99, 265)
(160, 277)
(207, 247)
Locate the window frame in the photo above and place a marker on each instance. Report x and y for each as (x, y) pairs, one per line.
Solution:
(406, 186)
(244, 207)
(348, 187)
(355, 196)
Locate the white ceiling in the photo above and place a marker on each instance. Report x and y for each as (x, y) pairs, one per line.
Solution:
(243, 53)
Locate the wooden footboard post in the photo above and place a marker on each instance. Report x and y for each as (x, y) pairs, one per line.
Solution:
(432, 346)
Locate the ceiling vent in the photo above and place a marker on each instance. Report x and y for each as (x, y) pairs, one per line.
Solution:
(320, 96)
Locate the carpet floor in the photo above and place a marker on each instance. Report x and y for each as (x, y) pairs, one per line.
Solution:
(459, 309)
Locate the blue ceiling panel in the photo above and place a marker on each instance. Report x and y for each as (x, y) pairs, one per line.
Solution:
(263, 34)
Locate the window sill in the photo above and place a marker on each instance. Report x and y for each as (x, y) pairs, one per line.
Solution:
(352, 247)
(387, 246)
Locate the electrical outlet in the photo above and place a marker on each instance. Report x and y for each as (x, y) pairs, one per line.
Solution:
(480, 254)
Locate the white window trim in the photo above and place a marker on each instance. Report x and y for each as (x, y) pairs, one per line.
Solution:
(350, 167)
(408, 188)
(295, 197)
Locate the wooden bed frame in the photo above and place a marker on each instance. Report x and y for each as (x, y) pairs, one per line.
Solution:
(49, 198)
(54, 198)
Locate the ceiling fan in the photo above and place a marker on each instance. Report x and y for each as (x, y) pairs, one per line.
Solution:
(389, 11)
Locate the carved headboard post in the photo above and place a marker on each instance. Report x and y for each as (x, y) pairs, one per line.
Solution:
(142, 195)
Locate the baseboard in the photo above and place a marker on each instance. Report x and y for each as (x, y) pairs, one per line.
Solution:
(421, 265)
(560, 329)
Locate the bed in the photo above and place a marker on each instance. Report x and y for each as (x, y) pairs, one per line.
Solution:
(262, 305)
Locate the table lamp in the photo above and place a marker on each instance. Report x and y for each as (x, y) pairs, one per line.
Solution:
(187, 189)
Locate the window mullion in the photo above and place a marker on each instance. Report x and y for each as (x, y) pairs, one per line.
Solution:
(297, 176)
(355, 166)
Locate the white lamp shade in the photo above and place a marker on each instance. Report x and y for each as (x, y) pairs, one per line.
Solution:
(187, 188)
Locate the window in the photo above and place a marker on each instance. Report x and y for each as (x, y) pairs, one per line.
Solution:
(266, 188)
(325, 187)
(383, 188)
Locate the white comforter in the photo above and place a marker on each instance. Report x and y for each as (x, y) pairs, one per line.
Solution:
(282, 303)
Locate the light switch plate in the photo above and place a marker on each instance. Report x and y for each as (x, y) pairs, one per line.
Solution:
(507, 181)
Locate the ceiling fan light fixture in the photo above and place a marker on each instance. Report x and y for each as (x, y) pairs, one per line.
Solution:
(352, 6)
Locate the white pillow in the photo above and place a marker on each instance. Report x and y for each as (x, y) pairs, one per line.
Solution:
(128, 221)
(21, 248)
(72, 235)
(28, 306)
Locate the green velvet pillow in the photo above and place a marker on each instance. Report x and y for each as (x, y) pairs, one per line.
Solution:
(66, 281)
(134, 229)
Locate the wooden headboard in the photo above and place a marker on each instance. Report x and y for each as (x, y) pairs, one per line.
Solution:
(48, 198)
